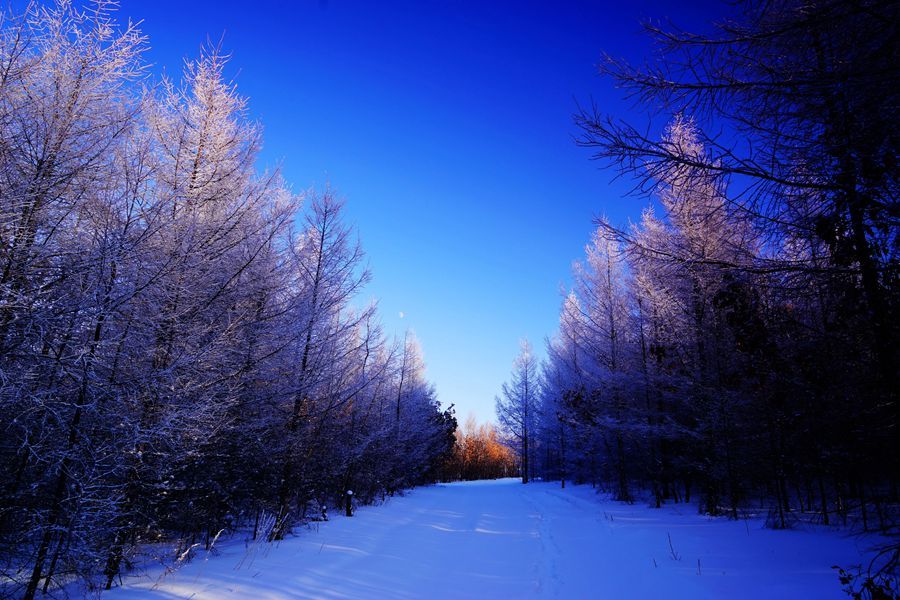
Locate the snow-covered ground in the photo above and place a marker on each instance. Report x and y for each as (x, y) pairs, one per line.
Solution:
(502, 539)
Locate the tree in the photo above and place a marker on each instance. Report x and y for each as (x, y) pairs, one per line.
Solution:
(480, 453)
(516, 407)
(748, 299)
(179, 357)
(805, 94)
(325, 264)
(600, 284)
(761, 300)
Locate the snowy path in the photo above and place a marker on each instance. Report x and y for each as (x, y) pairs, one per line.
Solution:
(506, 540)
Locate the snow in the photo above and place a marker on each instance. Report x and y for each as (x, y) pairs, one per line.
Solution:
(502, 539)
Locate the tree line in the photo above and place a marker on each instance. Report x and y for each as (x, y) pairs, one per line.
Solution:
(479, 452)
(737, 346)
(179, 352)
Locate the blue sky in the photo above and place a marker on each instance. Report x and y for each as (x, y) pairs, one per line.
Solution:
(448, 129)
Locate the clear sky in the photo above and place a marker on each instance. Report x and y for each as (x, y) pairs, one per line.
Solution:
(447, 126)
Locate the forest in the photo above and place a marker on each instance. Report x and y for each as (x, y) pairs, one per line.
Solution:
(181, 355)
(186, 352)
(737, 346)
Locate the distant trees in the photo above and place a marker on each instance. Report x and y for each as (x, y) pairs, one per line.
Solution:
(517, 403)
(480, 453)
(739, 342)
(179, 355)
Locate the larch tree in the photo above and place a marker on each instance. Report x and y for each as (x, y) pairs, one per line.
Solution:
(179, 353)
(761, 291)
(516, 406)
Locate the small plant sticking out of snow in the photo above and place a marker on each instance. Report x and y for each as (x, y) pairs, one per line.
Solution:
(672, 552)
(187, 554)
(211, 549)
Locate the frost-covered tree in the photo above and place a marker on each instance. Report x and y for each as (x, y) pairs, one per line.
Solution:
(325, 264)
(803, 95)
(752, 291)
(516, 405)
(179, 352)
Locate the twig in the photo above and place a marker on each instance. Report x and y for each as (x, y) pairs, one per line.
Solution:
(672, 552)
